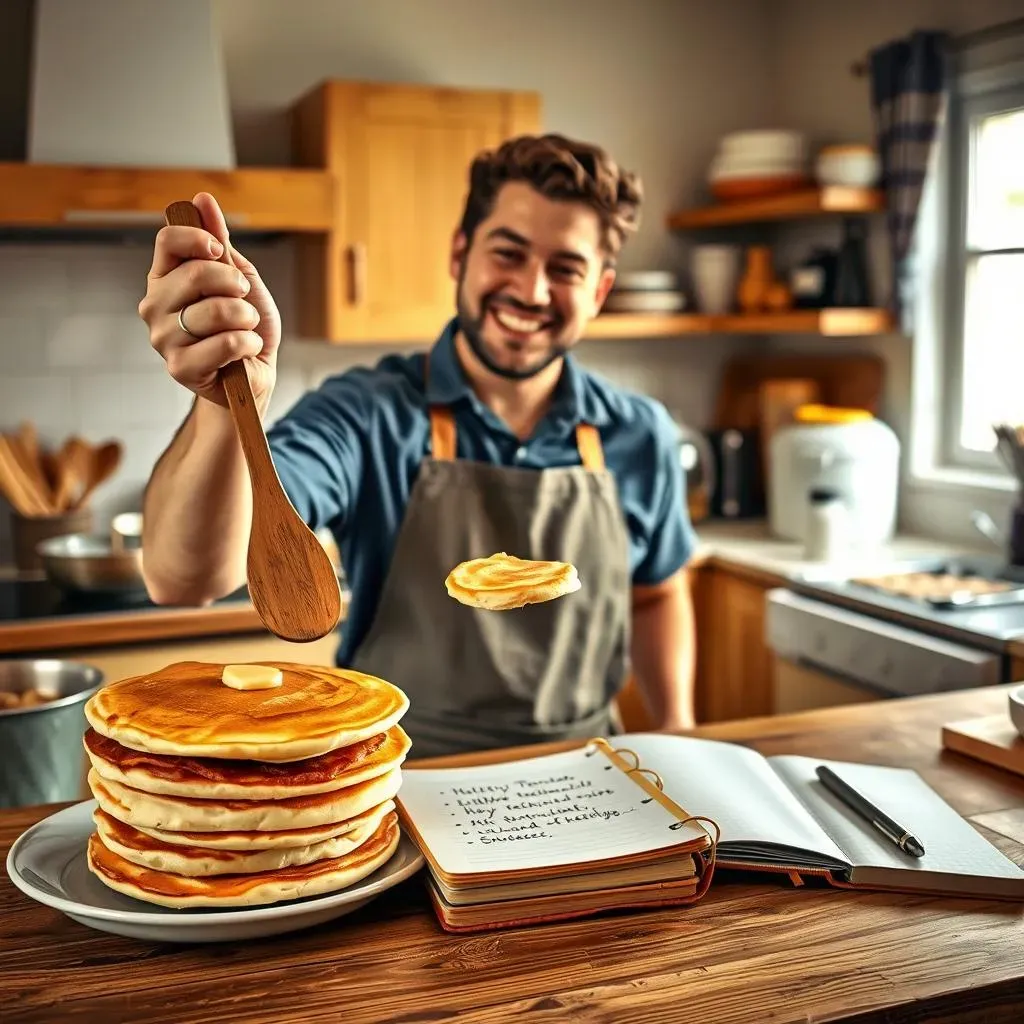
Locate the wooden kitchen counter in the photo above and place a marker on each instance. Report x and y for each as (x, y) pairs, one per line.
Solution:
(754, 950)
(134, 625)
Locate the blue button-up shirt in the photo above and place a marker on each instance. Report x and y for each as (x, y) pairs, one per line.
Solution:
(348, 454)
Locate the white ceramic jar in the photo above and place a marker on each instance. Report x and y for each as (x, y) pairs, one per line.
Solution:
(851, 166)
(715, 270)
(847, 451)
(829, 527)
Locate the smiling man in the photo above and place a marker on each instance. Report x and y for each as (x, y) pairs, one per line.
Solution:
(494, 440)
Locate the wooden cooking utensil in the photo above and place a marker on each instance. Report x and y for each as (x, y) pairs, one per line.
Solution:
(26, 443)
(19, 468)
(73, 466)
(101, 464)
(291, 580)
(16, 487)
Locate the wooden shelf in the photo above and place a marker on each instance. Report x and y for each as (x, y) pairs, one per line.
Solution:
(647, 325)
(253, 198)
(835, 323)
(789, 206)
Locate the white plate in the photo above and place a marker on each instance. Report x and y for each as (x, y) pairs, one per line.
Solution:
(647, 302)
(48, 863)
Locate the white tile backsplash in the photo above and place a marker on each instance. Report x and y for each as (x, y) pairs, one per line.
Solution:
(44, 399)
(23, 342)
(75, 358)
(93, 341)
(32, 280)
(136, 399)
(112, 280)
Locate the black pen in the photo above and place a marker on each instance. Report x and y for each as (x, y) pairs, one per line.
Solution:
(867, 810)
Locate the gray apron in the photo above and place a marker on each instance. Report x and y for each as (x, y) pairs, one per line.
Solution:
(481, 679)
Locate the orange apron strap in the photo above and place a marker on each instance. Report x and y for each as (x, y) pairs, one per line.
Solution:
(588, 441)
(442, 433)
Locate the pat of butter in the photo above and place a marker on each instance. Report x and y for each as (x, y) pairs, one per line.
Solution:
(251, 677)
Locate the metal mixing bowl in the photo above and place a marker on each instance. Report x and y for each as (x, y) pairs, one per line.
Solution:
(90, 563)
(41, 755)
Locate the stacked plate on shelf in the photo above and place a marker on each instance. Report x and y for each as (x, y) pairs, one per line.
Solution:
(646, 291)
(755, 164)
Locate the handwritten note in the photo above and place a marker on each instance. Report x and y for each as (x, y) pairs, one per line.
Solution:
(548, 811)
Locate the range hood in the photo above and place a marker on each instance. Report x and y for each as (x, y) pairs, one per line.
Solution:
(127, 111)
(119, 83)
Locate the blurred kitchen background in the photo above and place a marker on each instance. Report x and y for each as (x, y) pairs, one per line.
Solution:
(853, 463)
(660, 84)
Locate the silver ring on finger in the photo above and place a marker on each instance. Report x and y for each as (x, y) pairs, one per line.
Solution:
(181, 324)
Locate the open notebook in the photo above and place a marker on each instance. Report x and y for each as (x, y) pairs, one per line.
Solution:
(552, 837)
(486, 850)
(774, 813)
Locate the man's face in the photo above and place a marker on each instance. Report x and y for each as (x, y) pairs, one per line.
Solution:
(531, 280)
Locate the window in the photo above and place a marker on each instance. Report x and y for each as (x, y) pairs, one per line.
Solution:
(984, 376)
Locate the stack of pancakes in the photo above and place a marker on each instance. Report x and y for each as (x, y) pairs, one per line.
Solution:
(214, 796)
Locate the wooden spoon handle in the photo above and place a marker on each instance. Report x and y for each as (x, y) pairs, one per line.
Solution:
(291, 580)
(234, 379)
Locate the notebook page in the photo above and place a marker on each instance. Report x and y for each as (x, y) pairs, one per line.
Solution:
(735, 786)
(548, 811)
(952, 845)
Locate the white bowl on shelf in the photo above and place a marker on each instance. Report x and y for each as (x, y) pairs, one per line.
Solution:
(852, 166)
(1017, 708)
(768, 144)
(644, 302)
(646, 281)
(722, 169)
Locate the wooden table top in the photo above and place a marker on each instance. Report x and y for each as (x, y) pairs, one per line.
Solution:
(754, 950)
(131, 625)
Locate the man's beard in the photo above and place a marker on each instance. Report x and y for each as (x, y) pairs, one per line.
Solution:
(472, 330)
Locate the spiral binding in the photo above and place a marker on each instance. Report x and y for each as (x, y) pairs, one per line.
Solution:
(600, 742)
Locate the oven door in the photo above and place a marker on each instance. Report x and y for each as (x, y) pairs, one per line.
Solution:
(824, 655)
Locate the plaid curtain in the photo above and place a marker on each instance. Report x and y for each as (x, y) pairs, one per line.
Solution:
(909, 80)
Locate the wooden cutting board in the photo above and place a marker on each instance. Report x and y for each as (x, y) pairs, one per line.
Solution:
(779, 399)
(851, 381)
(994, 740)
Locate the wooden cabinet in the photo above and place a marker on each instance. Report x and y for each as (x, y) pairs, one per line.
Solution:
(734, 665)
(734, 672)
(400, 155)
(257, 199)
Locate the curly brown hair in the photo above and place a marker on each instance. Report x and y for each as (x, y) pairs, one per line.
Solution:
(559, 168)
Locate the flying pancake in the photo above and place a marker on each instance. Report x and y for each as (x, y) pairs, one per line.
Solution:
(239, 890)
(187, 710)
(500, 581)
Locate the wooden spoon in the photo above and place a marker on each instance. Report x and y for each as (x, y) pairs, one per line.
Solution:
(292, 582)
(30, 454)
(17, 486)
(100, 464)
(29, 483)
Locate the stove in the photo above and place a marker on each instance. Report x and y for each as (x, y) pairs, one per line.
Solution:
(31, 598)
(976, 600)
(952, 584)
